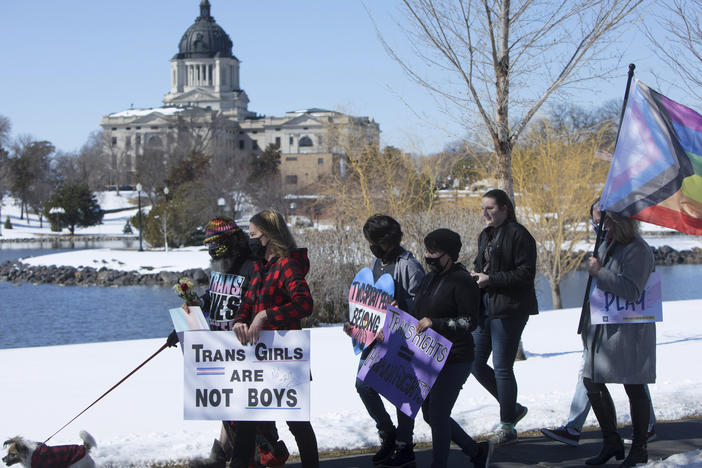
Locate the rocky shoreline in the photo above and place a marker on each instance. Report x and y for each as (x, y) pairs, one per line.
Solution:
(16, 271)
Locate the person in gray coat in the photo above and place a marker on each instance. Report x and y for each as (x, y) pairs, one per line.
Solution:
(620, 353)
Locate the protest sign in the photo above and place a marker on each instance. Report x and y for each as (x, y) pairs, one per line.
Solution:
(193, 320)
(368, 300)
(606, 308)
(405, 365)
(225, 380)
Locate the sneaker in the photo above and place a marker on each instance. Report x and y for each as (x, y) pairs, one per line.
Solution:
(482, 458)
(651, 436)
(387, 446)
(520, 412)
(562, 434)
(402, 457)
(504, 436)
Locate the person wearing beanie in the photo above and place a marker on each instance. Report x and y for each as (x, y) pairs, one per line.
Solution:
(505, 269)
(448, 302)
(231, 269)
(384, 235)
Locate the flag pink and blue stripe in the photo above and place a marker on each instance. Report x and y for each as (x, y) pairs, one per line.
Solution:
(656, 171)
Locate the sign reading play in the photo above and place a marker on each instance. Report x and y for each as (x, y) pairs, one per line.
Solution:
(606, 308)
(404, 367)
(225, 380)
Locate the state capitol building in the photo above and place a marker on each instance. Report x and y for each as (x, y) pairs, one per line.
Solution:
(207, 103)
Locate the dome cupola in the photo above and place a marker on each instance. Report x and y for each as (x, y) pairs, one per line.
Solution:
(205, 38)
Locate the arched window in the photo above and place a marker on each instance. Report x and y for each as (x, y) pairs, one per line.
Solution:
(305, 141)
(155, 141)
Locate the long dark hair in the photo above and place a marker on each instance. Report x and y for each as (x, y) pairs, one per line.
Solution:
(502, 200)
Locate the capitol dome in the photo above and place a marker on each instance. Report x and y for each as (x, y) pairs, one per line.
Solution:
(205, 38)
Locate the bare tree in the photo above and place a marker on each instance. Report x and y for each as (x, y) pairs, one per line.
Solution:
(28, 166)
(492, 60)
(557, 176)
(5, 127)
(681, 45)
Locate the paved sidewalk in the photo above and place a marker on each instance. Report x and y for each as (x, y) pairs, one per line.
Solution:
(673, 437)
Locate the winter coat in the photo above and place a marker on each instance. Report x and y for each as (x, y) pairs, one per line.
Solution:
(279, 288)
(511, 268)
(622, 353)
(452, 301)
(407, 275)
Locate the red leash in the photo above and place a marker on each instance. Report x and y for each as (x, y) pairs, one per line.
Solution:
(113, 387)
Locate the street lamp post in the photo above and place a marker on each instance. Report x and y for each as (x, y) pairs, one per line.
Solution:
(165, 220)
(139, 187)
(221, 203)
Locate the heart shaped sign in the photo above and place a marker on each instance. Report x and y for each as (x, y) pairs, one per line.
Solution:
(368, 302)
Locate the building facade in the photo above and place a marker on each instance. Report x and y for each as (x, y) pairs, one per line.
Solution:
(206, 109)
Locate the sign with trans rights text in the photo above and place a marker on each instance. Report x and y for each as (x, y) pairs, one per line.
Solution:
(405, 365)
(368, 300)
(227, 381)
(606, 308)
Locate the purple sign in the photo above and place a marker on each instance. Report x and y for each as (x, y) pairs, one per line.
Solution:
(405, 365)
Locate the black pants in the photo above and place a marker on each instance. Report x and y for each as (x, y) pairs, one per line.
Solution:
(603, 407)
(245, 443)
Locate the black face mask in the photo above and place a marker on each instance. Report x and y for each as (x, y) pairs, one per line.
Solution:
(217, 251)
(434, 263)
(377, 250)
(257, 249)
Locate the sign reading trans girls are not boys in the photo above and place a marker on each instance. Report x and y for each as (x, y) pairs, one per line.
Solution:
(227, 381)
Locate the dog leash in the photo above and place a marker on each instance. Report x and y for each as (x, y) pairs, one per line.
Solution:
(113, 387)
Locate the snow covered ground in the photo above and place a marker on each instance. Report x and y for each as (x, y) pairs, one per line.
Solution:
(141, 421)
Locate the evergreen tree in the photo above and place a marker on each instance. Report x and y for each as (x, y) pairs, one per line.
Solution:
(73, 205)
(265, 164)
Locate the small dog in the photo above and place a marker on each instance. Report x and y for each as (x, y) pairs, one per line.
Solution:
(37, 455)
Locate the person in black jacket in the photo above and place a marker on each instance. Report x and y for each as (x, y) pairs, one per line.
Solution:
(505, 268)
(448, 302)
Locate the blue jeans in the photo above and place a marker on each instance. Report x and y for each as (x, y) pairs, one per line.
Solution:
(580, 405)
(376, 409)
(499, 336)
(436, 410)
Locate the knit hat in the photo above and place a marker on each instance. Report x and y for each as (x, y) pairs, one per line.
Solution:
(218, 227)
(444, 240)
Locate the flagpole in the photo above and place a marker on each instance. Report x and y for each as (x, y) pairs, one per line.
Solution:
(584, 311)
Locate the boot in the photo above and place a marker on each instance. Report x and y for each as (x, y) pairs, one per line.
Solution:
(217, 458)
(387, 444)
(402, 457)
(612, 445)
(639, 420)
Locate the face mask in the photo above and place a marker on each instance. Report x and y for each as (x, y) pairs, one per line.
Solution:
(377, 250)
(257, 249)
(217, 251)
(434, 263)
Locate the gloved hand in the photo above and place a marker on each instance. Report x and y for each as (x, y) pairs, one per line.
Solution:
(172, 339)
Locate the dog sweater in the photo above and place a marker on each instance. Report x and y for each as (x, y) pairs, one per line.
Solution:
(56, 456)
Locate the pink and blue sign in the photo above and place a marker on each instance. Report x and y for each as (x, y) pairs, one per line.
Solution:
(404, 366)
(368, 301)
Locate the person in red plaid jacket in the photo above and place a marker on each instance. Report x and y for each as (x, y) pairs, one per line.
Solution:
(278, 298)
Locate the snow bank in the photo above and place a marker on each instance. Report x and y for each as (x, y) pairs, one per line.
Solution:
(141, 421)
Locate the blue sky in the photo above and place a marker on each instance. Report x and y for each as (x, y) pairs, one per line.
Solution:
(68, 63)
